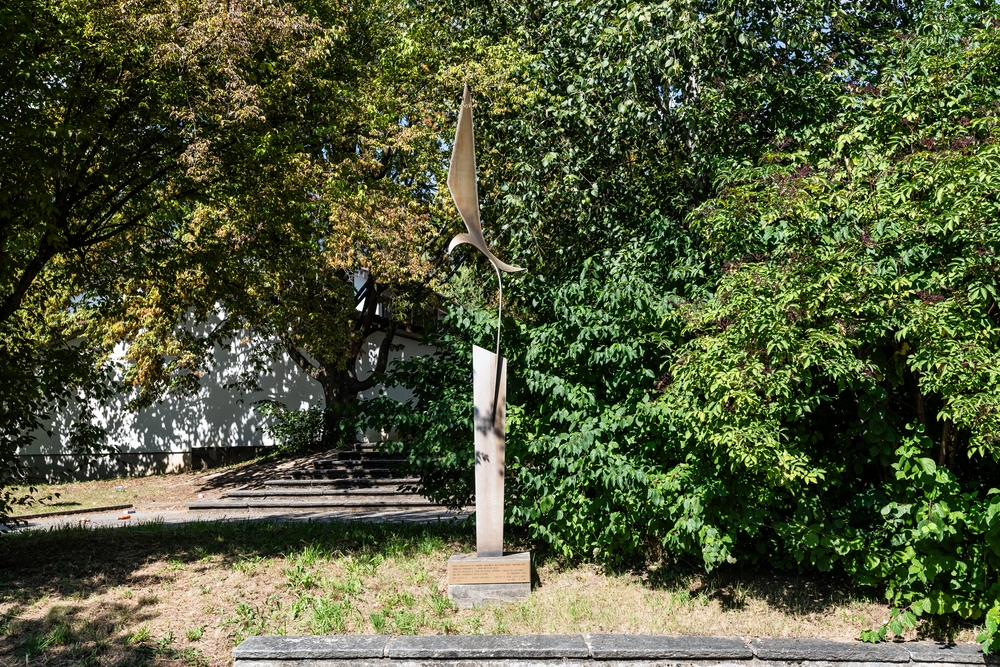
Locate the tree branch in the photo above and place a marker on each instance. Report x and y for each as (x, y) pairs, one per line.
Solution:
(356, 385)
(10, 304)
(300, 359)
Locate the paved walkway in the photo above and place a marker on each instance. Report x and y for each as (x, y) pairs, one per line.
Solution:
(179, 516)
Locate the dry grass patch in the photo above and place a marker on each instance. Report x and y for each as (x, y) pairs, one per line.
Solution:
(149, 595)
(175, 489)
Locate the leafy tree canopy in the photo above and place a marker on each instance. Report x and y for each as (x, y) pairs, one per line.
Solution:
(774, 340)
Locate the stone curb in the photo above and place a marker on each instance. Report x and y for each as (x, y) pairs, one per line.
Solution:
(568, 650)
(70, 512)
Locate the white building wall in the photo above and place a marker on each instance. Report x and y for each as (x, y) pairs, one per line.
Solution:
(161, 438)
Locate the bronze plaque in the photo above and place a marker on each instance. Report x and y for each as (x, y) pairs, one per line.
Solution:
(489, 572)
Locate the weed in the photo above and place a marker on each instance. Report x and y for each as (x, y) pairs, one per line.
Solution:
(441, 604)
(175, 564)
(190, 656)
(61, 635)
(680, 597)
(311, 555)
(195, 633)
(364, 565)
(8, 622)
(499, 622)
(248, 564)
(299, 577)
(140, 635)
(398, 599)
(395, 546)
(407, 622)
(35, 644)
(248, 621)
(299, 606)
(430, 544)
(165, 641)
(378, 621)
(351, 585)
(328, 616)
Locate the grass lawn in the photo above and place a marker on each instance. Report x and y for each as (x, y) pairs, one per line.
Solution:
(177, 488)
(187, 595)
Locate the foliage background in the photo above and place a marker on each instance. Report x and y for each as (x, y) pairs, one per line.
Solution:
(760, 322)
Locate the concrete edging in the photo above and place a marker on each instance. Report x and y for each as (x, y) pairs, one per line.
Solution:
(597, 649)
(70, 512)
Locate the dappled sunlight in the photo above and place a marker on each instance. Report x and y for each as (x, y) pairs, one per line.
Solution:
(198, 590)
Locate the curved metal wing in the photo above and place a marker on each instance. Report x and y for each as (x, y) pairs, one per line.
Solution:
(464, 187)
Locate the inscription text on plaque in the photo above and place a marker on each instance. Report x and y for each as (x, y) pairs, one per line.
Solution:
(481, 571)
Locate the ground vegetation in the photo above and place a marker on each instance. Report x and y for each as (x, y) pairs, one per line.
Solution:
(179, 595)
(770, 344)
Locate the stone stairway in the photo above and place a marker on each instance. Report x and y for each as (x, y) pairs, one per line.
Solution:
(358, 479)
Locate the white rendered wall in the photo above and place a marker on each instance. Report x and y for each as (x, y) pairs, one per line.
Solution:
(216, 416)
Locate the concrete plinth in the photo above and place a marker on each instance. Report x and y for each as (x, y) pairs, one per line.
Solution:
(475, 581)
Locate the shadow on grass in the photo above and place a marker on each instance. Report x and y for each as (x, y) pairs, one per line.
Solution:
(78, 563)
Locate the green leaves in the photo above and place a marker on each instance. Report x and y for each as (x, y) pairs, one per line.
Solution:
(792, 361)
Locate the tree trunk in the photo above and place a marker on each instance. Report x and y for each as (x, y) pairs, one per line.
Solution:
(340, 392)
(945, 442)
(341, 407)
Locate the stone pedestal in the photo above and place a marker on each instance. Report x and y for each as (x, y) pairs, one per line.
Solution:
(474, 581)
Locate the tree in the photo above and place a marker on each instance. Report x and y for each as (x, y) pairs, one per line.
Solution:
(793, 366)
(853, 335)
(277, 263)
(119, 119)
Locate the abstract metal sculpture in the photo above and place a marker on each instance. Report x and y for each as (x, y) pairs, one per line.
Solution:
(489, 369)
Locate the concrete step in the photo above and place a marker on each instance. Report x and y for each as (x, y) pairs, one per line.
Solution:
(356, 464)
(338, 504)
(362, 483)
(356, 475)
(386, 492)
(363, 455)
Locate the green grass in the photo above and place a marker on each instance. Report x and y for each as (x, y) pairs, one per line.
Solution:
(134, 596)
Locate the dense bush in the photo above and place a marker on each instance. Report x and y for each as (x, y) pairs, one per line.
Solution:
(293, 431)
(825, 398)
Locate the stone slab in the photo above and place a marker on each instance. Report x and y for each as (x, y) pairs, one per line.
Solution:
(512, 568)
(662, 647)
(966, 654)
(797, 650)
(467, 596)
(316, 647)
(591, 651)
(430, 662)
(466, 647)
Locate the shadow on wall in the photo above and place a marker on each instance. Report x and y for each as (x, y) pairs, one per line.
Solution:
(216, 426)
(66, 468)
(409, 347)
(179, 432)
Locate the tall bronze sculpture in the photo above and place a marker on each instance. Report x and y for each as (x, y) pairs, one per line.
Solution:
(490, 575)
